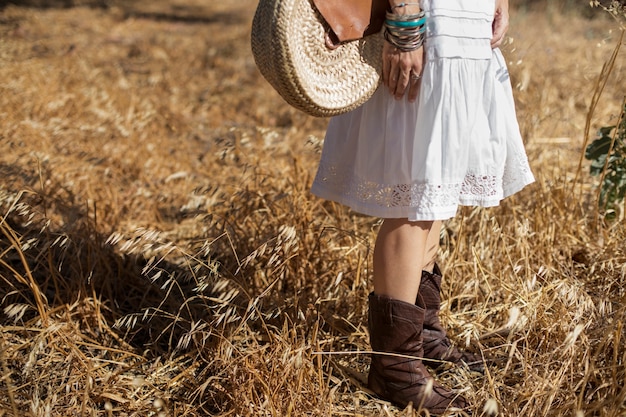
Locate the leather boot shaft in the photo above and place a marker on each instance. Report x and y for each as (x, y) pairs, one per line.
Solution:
(430, 288)
(438, 348)
(397, 373)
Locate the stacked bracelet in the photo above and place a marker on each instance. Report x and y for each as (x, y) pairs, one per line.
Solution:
(405, 32)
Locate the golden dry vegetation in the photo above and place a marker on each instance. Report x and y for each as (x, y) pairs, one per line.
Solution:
(161, 255)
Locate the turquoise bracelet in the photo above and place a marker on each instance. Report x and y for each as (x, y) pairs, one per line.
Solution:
(406, 24)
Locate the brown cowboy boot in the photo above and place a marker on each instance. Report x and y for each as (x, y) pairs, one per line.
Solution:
(437, 345)
(396, 327)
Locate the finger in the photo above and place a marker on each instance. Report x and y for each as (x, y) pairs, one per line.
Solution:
(394, 77)
(402, 85)
(392, 73)
(388, 58)
(404, 71)
(497, 40)
(414, 87)
(498, 34)
(500, 27)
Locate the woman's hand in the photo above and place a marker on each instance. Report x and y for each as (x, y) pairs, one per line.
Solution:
(500, 23)
(401, 71)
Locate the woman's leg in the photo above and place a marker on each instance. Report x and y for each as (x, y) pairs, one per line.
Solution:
(399, 256)
(432, 246)
(437, 345)
(396, 321)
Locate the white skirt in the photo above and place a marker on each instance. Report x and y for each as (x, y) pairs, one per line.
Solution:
(458, 144)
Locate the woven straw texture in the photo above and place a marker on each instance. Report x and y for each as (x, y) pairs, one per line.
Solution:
(288, 44)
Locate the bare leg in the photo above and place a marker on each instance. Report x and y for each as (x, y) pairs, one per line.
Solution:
(437, 345)
(432, 246)
(399, 258)
(396, 320)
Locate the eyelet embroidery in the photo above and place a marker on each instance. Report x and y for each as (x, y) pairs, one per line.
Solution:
(476, 187)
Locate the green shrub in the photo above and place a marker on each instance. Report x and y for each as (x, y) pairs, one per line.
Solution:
(608, 160)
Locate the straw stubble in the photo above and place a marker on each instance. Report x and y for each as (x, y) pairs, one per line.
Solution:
(161, 254)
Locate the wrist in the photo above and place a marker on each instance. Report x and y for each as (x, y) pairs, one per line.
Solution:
(405, 31)
(404, 7)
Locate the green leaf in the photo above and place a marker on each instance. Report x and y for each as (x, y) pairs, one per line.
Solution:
(612, 189)
(597, 165)
(598, 148)
(606, 130)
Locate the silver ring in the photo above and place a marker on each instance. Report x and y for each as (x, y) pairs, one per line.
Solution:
(415, 77)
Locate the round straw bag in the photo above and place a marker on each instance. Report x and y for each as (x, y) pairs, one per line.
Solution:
(290, 50)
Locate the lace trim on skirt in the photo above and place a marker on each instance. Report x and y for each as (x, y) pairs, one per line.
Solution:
(418, 201)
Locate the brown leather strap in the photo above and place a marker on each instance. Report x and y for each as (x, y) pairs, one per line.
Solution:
(352, 19)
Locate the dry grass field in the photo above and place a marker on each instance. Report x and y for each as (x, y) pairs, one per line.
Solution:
(161, 255)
